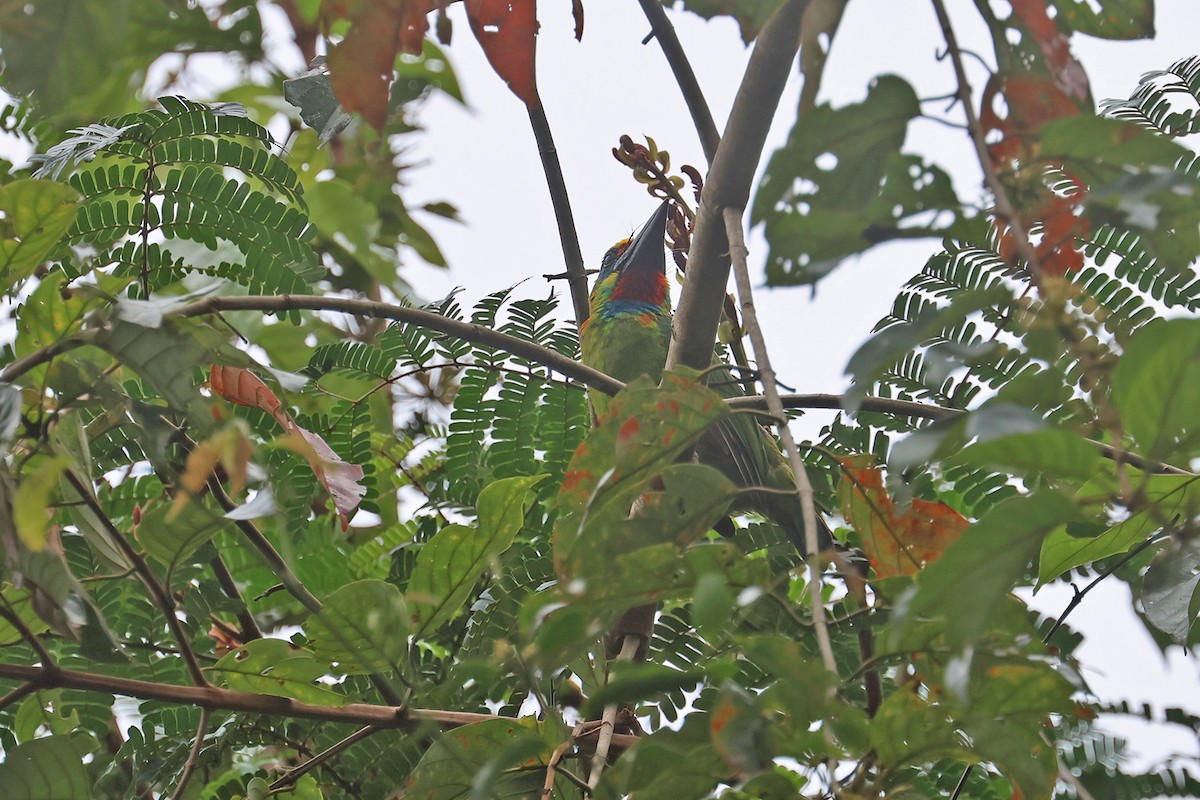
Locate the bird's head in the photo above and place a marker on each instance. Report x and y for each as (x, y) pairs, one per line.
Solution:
(632, 277)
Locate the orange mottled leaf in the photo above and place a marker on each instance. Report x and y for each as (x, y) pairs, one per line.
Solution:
(507, 31)
(897, 541)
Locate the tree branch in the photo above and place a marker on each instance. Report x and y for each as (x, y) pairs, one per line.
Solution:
(215, 698)
(573, 258)
(414, 316)
(161, 598)
(189, 766)
(728, 185)
(689, 87)
(293, 775)
(1004, 207)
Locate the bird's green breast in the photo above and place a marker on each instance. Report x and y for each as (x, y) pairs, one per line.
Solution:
(625, 346)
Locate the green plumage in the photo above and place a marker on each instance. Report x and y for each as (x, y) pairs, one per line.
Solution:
(627, 335)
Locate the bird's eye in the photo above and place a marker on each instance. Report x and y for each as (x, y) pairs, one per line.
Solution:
(610, 258)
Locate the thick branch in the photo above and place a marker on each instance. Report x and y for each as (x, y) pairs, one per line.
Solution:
(573, 258)
(689, 87)
(215, 698)
(728, 185)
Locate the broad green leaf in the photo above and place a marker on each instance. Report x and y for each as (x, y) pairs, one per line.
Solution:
(1010, 703)
(277, 668)
(47, 769)
(35, 214)
(172, 533)
(971, 580)
(739, 731)
(1055, 453)
(31, 505)
(909, 728)
(841, 185)
(167, 358)
(1169, 590)
(1156, 387)
(1109, 19)
(363, 627)
(490, 752)
(452, 561)
(750, 15)
(630, 682)
(1172, 495)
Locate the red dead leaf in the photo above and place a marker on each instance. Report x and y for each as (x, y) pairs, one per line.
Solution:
(507, 31)
(340, 479)
(1068, 73)
(362, 65)
(577, 12)
(896, 542)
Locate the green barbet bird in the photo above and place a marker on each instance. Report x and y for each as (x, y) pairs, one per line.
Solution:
(627, 335)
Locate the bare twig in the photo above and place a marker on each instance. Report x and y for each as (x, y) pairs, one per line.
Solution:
(576, 273)
(741, 274)
(1004, 207)
(189, 766)
(608, 721)
(1081, 593)
(159, 594)
(293, 775)
(39, 357)
(556, 758)
(689, 87)
(728, 185)
(249, 627)
(18, 694)
(12, 618)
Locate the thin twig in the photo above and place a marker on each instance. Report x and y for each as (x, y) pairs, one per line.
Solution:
(14, 619)
(555, 759)
(1080, 594)
(568, 238)
(689, 87)
(741, 274)
(293, 775)
(962, 782)
(189, 766)
(608, 720)
(249, 629)
(18, 694)
(1004, 207)
(159, 594)
(1070, 778)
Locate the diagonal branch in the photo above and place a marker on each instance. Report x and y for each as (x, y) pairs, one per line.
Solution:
(159, 594)
(567, 236)
(728, 185)
(689, 87)
(290, 777)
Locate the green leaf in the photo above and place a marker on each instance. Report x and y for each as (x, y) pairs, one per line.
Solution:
(363, 627)
(172, 533)
(47, 769)
(1169, 590)
(909, 728)
(31, 514)
(970, 582)
(1156, 387)
(167, 357)
(35, 215)
(750, 15)
(841, 185)
(1109, 19)
(453, 560)
(278, 668)
(630, 682)
(1055, 453)
(1170, 496)
(487, 752)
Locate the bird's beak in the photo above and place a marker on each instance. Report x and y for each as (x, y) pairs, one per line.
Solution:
(645, 252)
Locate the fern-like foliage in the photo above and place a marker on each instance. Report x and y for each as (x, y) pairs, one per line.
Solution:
(190, 188)
(1166, 101)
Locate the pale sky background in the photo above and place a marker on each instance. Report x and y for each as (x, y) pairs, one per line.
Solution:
(483, 160)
